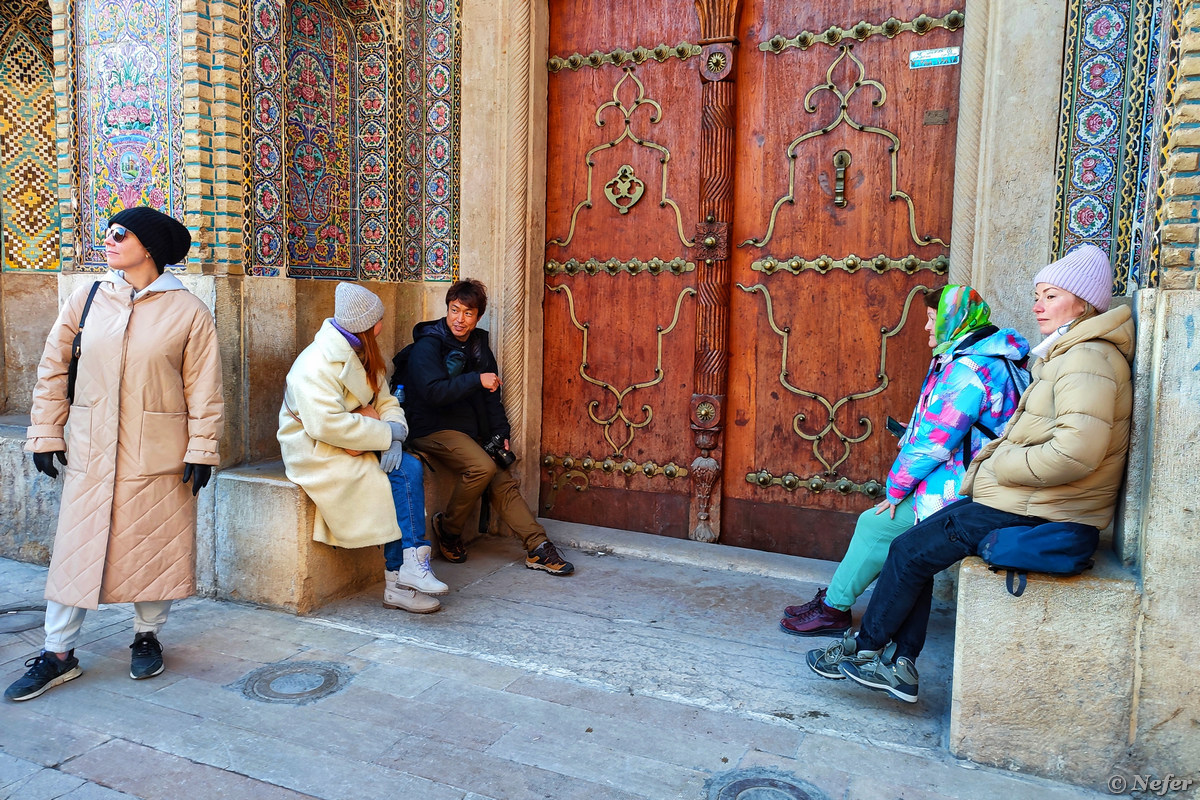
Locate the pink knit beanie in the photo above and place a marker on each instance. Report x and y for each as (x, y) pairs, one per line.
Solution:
(1084, 272)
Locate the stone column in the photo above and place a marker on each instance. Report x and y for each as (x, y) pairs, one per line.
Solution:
(1166, 711)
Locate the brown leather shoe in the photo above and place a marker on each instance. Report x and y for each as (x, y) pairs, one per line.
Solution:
(822, 621)
(810, 606)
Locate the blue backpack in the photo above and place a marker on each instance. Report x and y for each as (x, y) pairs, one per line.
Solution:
(1054, 548)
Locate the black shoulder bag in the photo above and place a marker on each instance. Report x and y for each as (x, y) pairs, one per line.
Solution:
(77, 345)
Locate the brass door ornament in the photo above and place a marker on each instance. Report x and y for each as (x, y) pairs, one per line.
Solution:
(615, 266)
(890, 28)
(627, 112)
(939, 265)
(619, 395)
(624, 190)
(575, 471)
(816, 484)
(831, 408)
(841, 160)
(620, 56)
(843, 117)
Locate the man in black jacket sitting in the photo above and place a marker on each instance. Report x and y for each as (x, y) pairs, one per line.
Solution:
(452, 400)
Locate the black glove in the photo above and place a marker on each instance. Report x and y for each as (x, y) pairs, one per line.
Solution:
(44, 462)
(198, 474)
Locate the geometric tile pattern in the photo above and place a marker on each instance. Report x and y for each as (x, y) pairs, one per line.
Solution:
(29, 222)
(1107, 165)
(129, 100)
(432, 126)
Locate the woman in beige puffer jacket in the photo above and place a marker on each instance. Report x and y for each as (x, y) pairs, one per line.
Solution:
(1060, 459)
(143, 424)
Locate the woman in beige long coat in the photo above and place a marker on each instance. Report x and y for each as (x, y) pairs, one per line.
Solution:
(143, 424)
(336, 414)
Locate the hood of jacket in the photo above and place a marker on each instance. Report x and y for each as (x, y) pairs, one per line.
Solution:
(999, 343)
(163, 283)
(1114, 326)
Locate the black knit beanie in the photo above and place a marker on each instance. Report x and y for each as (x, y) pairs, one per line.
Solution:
(164, 237)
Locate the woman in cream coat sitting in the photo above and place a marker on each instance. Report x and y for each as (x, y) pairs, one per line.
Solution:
(336, 415)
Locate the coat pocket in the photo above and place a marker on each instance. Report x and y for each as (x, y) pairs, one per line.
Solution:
(79, 438)
(164, 442)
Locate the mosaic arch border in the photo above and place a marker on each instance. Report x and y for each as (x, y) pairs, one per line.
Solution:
(30, 236)
(423, 147)
(1115, 78)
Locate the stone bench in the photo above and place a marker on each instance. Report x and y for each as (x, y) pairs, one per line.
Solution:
(1043, 683)
(264, 552)
(30, 515)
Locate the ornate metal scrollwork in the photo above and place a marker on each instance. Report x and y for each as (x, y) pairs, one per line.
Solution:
(575, 471)
(621, 56)
(631, 427)
(613, 266)
(816, 484)
(851, 263)
(890, 28)
(831, 408)
(627, 112)
(625, 189)
(843, 117)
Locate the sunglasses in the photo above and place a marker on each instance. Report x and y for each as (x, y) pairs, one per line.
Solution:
(118, 233)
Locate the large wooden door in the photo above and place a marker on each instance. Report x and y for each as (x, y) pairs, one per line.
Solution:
(743, 203)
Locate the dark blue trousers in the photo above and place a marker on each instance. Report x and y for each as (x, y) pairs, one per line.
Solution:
(899, 607)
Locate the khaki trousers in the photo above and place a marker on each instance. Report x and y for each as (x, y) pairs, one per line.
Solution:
(477, 472)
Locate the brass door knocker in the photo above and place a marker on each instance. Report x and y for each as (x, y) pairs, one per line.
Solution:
(841, 160)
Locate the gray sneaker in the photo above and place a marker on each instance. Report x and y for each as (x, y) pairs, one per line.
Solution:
(825, 662)
(897, 677)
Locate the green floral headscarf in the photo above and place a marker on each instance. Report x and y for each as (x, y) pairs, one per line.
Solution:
(960, 312)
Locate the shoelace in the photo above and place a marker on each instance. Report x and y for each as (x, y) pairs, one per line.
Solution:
(40, 663)
(145, 647)
(423, 565)
(550, 554)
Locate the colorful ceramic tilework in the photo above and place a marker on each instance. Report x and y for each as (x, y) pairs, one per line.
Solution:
(130, 107)
(1143, 269)
(323, 123)
(1105, 165)
(29, 223)
(431, 124)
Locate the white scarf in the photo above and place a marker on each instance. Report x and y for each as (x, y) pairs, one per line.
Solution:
(1043, 348)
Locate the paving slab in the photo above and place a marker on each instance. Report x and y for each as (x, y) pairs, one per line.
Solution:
(638, 677)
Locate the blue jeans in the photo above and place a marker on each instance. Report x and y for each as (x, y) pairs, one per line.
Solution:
(899, 607)
(408, 495)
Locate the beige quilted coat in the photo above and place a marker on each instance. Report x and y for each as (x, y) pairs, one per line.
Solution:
(352, 494)
(1062, 455)
(147, 399)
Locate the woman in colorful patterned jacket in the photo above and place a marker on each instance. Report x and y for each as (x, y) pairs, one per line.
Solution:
(969, 393)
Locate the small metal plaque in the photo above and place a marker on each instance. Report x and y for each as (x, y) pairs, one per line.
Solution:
(941, 57)
(937, 116)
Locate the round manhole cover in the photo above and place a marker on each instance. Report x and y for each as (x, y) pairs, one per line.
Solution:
(759, 783)
(21, 619)
(294, 682)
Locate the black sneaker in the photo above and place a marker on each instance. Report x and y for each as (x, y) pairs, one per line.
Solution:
(453, 549)
(896, 677)
(547, 558)
(45, 672)
(147, 656)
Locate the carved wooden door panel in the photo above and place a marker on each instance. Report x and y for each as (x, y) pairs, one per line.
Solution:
(620, 302)
(843, 195)
(740, 215)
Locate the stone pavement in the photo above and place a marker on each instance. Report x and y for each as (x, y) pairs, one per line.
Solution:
(646, 675)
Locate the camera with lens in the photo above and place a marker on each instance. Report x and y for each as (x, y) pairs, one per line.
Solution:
(495, 448)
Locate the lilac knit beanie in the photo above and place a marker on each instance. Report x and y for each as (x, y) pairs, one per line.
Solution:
(1084, 272)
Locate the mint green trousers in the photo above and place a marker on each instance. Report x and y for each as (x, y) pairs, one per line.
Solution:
(873, 535)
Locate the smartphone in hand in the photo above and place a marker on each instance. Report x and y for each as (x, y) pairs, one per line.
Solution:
(895, 427)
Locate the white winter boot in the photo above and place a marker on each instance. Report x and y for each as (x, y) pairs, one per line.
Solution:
(415, 572)
(405, 598)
